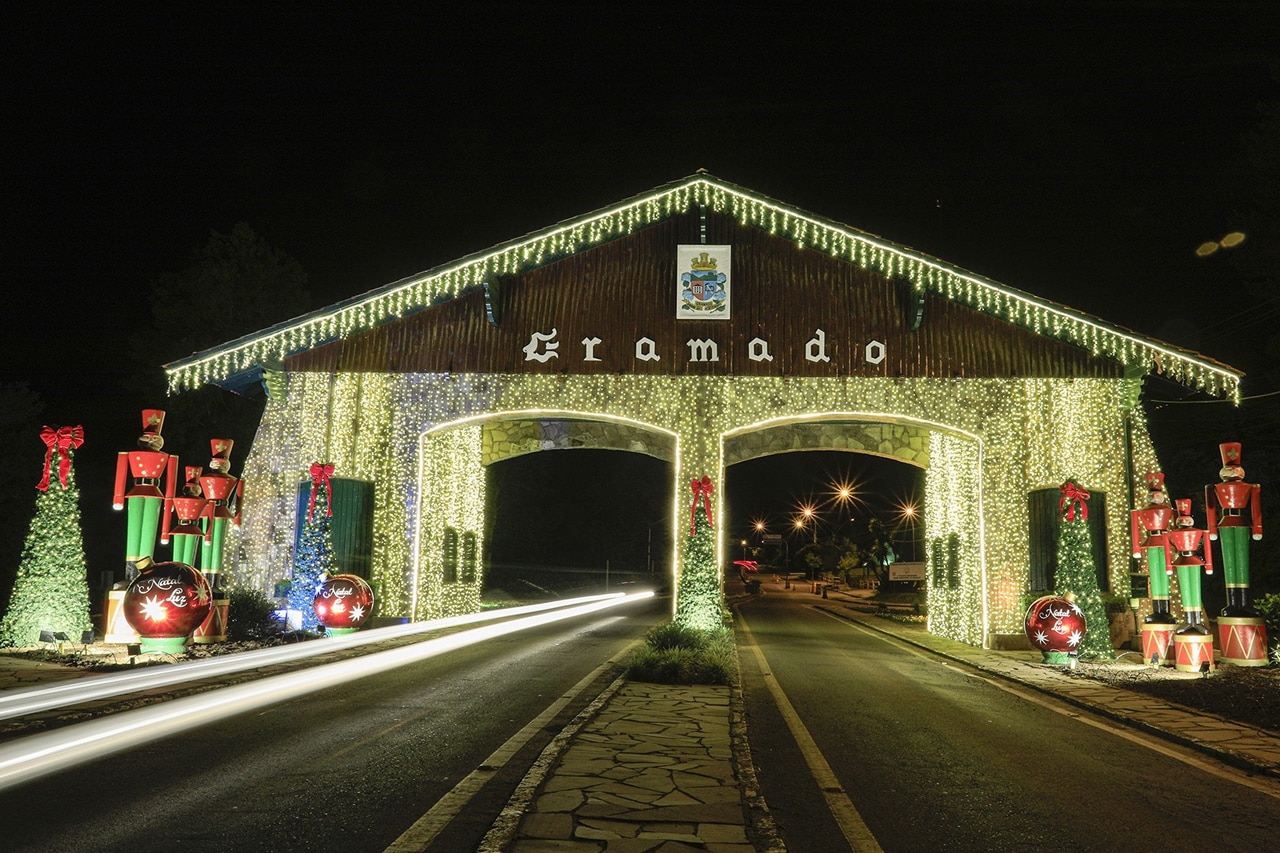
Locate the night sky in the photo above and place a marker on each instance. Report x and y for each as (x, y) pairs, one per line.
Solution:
(1077, 151)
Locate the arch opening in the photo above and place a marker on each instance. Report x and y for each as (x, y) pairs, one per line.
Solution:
(562, 523)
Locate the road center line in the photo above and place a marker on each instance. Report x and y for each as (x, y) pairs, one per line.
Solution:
(425, 829)
(842, 808)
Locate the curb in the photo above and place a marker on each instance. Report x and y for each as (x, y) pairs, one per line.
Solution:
(503, 832)
(763, 829)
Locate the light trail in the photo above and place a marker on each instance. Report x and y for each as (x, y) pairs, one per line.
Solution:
(40, 754)
(16, 703)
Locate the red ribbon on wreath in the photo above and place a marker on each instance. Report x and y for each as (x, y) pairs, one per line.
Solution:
(1072, 497)
(64, 440)
(702, 490)
(320, 474)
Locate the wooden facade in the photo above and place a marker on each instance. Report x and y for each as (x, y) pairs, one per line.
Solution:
(624, 290)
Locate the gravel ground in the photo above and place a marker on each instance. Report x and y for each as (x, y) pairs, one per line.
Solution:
(1246, 694)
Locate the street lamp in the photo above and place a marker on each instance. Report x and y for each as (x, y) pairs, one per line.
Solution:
(908, 515)
(807, 514)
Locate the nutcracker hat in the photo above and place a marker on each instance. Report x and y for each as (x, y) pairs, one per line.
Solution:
(1230, 451)
(1154, 481)
(221, 448)
(152, 421)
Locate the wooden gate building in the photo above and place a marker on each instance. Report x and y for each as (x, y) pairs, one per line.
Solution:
(703, 324)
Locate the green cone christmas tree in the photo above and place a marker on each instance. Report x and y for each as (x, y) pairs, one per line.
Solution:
(314, 560)
(698, 592)
(51, 591)
(1077, 576)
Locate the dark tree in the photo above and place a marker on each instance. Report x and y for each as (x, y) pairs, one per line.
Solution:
(236, 284)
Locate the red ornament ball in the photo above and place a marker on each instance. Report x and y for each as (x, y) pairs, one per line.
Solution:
(344, 602)
(1054, 624)
(167, 600)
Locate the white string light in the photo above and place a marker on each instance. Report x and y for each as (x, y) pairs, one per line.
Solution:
(870, 252)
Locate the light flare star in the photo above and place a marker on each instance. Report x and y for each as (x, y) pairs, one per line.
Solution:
(153, 608)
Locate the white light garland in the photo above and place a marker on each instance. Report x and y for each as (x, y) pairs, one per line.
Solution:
(417, 437)
(925, 273)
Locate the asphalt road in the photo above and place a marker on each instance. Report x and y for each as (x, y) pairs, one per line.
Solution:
(923, 755)
(347, 768)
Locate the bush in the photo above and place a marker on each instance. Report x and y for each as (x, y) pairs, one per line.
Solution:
(1115, 603)
(679, 654)
(250, 615)
(673, 635)
(1268, 607)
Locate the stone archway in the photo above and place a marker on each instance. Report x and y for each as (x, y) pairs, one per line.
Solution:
(954, 540)
(900, 441)
(508, 437)
(450, 536)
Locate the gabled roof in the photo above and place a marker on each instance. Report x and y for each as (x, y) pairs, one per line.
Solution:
(237, 362)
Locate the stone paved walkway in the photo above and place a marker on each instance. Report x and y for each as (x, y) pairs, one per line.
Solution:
(653, 771)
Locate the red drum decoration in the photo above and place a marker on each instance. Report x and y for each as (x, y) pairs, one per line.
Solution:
(1243, 640)
(343, 603)
(165, 603)
(1157, 643)
(1055, 626)
(1193, 652)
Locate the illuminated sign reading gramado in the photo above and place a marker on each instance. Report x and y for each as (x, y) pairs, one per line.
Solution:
(543, 347)
(702, 292)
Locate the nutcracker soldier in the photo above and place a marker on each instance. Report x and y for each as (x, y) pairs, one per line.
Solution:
(148, 464)
(1241, 629)
(223, 493)
(1148, 533)
(1192, 640)
(188, 506)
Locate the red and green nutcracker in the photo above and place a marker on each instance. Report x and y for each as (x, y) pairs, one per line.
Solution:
(145, 499)
(1192, 641)
(1234, 509)
(223, 493)
(1149, 529)
(189, 507)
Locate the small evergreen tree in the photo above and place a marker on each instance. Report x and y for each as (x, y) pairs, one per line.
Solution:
(51, 591)
(314, 560)
(698, 603)
(1077, 575)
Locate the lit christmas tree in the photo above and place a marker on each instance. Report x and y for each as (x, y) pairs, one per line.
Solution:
(51, 592)
(1077, 576)
(698, 592)
(314, 561)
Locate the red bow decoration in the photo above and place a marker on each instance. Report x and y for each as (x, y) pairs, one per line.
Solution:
(320, 474)
(702, 490)
(1072, 497)
(64, 439)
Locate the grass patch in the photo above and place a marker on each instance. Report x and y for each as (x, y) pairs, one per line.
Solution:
(675, 653)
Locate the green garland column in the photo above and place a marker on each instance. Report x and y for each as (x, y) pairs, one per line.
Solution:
(1077, 577)
(51, 592)
(698, 593)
